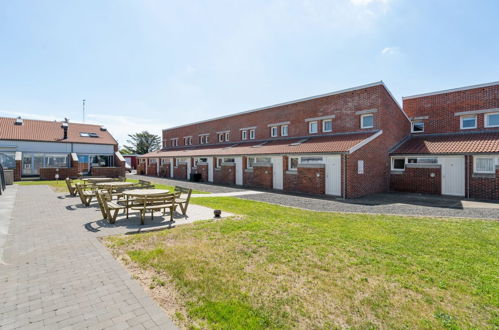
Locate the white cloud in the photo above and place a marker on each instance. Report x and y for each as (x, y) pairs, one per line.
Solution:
(367, 2)
(390, 50)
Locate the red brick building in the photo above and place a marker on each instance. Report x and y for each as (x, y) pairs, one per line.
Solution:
(453, 148)
(336, 144)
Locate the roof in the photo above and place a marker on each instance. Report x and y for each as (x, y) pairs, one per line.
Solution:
(451, 144)
(52, 131)
(378, 83)
(451, 90)
(338, 143)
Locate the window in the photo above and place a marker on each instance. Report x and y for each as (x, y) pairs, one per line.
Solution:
(492, 120)
(398, 164)
(181, 160)
(8, 159)
(422, 160)
(252, 134)
(229, 160)
(484, 165)
(188, 140)
(252, 160)
(360, 167)
(468, 122)
(221, 137)
(200, 160)
(56, 161)
(311, 160)
(312, 127)
(206, 139)
(367, 121)
(86, 134)
(227, 136)
(102, 160)
(284, 130)
(293, 163)
(273, 131)
(219, 162)
(201, 139)
(174, 142)
(417, 127)
(327, 125)
(153, 161)
(244, 135)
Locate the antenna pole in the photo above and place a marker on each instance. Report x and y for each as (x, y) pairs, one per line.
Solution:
(83, 110)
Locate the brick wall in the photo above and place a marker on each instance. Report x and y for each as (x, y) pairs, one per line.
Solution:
(424, 179)
(376, 176)
(482, 186)
(441, 108)
(141, 168)
(180, 171)
(311, 179)
(152, 169)
(164, 170)
(202, 169)
(18, 170)
(343, 106)
(48, 173)
(262, 176)
(226, 174)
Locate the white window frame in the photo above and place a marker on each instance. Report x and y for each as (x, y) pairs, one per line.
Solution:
(227, 136)
(284, 130)
(462, 118)
(362, 120)
(324, 125)
(274, 131)
(252, 134)
(219, 162)
(415, 122)
(221, 137)
(494, 162)
(310, 123)
(487, 125)
(174, 142)
(393, 162)
(244, 135)
(289, 163)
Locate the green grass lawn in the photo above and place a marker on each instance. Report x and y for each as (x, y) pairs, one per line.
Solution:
(280, 267)
(60, 185)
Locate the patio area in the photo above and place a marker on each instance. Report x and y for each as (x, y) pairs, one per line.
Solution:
(56, 274)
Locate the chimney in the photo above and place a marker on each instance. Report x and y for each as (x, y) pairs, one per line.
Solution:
(19, 121)
(65, 126)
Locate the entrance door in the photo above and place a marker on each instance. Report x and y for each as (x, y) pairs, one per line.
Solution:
(171, 167)
(239, 170)
(32, 164)
(188, 168)
(452, 175)
(333, 175)
(277, 176)
(210, 169)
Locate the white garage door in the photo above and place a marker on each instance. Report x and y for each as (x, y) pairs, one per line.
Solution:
(452, 175)
(333, 175)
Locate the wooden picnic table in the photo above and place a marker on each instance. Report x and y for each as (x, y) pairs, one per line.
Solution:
(96, 180)
(142, 193)
(114, 184)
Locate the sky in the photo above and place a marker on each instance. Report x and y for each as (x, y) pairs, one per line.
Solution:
(154, 64)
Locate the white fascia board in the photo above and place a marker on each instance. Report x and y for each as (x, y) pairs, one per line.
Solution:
(364, 142)
(278, 124)
(451, 90)
(247, 128)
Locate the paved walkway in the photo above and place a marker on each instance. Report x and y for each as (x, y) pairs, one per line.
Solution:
(58, 275)
(390, 203)
(7, 200)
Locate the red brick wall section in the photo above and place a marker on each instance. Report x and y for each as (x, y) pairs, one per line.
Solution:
(376, 176)
(141, 168)
(262, 176)
(203, 170)
(482, 186)
(226, 174)
(180, 171)
(152, 169)
(164, 170)
(441, 108)
(343, 106)
(18, 170)
(418, 179)
(311, 180)
(48, 173)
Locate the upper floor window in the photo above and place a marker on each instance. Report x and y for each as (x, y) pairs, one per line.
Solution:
(252, 134)
(201, 139)
(417, 127)
(468, 122)
(188, 140)
(227, 136)
(284, 130)
(327, 125)
(492, 120)
(312, 127)
(484, 165)
(367, 121)
(244, 135)
(174, 142)
(274, 131)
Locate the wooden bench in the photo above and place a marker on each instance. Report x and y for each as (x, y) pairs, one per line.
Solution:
(183, 198)
(154, 203)
(71, 187)
(109, 209)
(86, 193)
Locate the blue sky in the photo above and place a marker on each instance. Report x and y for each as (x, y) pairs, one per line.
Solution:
(148, 64)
